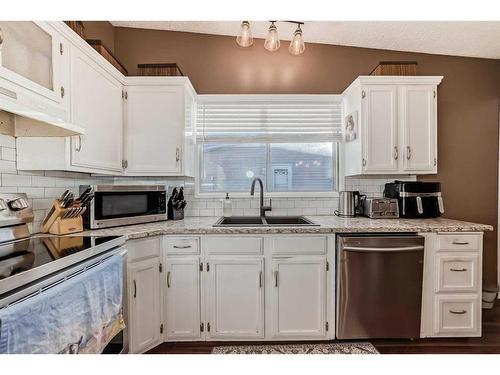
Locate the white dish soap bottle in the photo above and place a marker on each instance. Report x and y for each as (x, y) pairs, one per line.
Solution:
(227, 207)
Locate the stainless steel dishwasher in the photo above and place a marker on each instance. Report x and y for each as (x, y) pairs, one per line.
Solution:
(379, 286)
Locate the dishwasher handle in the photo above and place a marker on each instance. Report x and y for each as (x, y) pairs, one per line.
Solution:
(382, 249)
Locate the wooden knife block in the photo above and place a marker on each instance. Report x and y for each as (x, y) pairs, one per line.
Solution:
(54, 224)
(67, 226)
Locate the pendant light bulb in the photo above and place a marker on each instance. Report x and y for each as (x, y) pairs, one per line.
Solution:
(245, 38)
(272, 42)
(297, 45)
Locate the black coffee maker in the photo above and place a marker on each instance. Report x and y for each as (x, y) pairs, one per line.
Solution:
(416, 199)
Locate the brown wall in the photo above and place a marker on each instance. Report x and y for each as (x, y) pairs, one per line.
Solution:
(468, 100)
(101, 30)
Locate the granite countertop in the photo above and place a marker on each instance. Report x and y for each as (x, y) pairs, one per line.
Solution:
(327, 224)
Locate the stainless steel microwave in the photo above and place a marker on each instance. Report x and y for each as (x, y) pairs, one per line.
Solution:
(115, 205)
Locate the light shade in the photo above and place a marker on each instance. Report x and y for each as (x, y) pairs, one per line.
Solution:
(245, 38)
(272, 42)
(297, 45)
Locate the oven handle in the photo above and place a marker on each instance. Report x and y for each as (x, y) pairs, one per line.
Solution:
(383, 249)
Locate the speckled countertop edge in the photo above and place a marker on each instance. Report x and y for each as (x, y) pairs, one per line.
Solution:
(327, 224)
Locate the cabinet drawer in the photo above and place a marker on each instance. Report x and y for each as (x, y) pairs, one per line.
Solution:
(457, 272)
(459, 242)
(182, 245)
(458, 315)
(143, 249)
(234, 245)
(300, 245)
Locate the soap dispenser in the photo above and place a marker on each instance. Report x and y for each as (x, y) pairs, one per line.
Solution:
(227, 207)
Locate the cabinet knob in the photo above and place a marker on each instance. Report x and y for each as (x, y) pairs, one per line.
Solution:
(363, 94)
(79, 147)
(364, 162)
(177, 154)
(408, 152)
(395, 153)
(62, 92)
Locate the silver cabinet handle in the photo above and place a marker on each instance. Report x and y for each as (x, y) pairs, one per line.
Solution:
(458, 312)
(395, 153)
(276, 279)
(182, 247)
(260, 279)
(364, 162)
(458, 242)
(135, 289)
(408, 152)
(458, 269)
(168, 279)
(62, 91)
(177, 154)
(79, 148)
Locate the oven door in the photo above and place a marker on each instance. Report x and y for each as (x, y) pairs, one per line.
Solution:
(113, 208)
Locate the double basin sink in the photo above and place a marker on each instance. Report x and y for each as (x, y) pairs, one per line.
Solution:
(268, 221)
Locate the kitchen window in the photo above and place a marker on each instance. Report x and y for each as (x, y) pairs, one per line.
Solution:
(290, 141)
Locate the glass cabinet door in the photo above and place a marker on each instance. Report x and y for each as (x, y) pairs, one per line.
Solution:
(27, 50)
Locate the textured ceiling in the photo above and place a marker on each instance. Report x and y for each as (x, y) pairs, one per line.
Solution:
(474, 39)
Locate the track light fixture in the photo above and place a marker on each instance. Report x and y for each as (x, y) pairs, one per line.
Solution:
(272, 42)
(245, 38)
(297, 45)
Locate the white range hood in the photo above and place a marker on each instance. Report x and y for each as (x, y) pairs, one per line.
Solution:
(35, 120)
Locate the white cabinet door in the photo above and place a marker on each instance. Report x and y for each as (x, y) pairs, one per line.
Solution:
(380, 136)
(418, 119)
(154, 129)
(30, 56)
(182, 304)
(144, 317)
(97, 106)
(298, 298)
(235, 298)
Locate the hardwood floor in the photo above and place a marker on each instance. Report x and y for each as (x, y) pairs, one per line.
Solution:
(489, 343)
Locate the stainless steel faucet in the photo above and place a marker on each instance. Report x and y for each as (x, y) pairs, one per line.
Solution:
(263, 208)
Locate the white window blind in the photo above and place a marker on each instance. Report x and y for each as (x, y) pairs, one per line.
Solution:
(269, 118)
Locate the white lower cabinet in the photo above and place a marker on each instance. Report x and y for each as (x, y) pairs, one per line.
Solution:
(144, 314)
(298, 297)
(235, 298)
(183, 299)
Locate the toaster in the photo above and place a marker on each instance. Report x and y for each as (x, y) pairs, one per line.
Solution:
(380, 208)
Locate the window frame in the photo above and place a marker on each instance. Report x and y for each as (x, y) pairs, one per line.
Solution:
(338, 168)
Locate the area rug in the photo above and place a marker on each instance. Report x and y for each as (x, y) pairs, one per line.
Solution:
(334, 348)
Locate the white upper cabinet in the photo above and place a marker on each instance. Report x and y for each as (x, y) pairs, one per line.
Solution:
(159, 126)
(97, 106)
(379, 119)
(397, 125)
(419, 128)
(30, 57)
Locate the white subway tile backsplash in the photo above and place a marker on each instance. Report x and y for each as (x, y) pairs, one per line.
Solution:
(8, 154)
(7, 166)
(43, 181)
(7, 141)
(16, 180)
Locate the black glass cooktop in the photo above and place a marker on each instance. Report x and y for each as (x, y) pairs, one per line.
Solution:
(23, 255)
